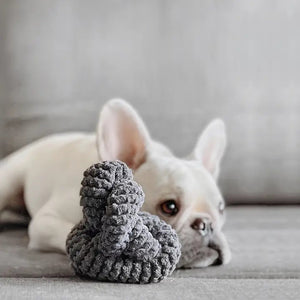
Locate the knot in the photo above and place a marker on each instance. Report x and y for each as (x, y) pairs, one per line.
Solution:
(115, 241)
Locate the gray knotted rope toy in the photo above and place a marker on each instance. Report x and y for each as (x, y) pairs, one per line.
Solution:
(115, 241)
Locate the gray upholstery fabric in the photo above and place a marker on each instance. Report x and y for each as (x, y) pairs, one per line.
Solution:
(180, 64)
(3, 89)
(265, 265)
(170, 288)
(265, 242)
(115, 241)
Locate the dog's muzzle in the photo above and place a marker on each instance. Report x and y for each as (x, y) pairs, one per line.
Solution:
(202, 246)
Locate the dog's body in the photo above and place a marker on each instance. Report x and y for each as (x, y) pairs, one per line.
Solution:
(184, 193)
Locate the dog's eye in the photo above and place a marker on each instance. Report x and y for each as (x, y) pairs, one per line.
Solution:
(221, 207)
(169, 207)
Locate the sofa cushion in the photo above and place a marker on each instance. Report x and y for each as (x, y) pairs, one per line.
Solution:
(170, 288)
(265, 243)
(180, 65)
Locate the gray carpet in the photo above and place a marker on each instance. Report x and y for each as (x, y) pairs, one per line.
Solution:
(265, 241)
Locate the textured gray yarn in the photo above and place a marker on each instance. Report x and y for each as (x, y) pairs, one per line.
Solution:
(115, 241)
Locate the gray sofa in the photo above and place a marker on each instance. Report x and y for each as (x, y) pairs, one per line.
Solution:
(180, 64)
(265, 242)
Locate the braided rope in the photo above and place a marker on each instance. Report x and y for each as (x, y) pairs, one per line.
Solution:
(115, 241)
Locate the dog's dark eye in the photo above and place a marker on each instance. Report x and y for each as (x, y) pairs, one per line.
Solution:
(221, 207)
(169, 207)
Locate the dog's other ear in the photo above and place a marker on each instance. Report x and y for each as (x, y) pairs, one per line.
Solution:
(121, 134)
(211, 146)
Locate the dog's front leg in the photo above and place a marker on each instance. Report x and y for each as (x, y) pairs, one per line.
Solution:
(48, 231)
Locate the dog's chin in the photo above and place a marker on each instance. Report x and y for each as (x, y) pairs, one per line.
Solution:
(202, 252)
(202, 258)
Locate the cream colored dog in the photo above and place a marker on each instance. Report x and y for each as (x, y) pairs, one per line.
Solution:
(47, 175)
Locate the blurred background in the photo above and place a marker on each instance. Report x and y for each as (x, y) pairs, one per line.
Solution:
(179, 65)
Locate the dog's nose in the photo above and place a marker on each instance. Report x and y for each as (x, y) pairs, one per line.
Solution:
(203, 225)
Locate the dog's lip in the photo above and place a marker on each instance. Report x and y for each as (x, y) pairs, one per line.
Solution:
(220, 259)
(188, 258)
(192, 255)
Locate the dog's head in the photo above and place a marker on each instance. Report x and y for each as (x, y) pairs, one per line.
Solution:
(183, 192)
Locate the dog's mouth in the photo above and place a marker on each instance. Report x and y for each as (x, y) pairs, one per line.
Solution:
(207, 252)
(203, 257)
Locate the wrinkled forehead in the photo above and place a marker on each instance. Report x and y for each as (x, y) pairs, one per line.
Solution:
(187, 177)
(172, 173)
(195, 183)
(199, 191)
(201, 177)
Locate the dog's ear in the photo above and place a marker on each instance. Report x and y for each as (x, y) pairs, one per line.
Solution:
(211, 146)
(121, 134)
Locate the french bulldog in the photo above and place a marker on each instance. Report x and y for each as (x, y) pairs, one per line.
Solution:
(46, 176)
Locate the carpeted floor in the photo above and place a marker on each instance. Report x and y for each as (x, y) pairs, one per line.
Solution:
(265, 242)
